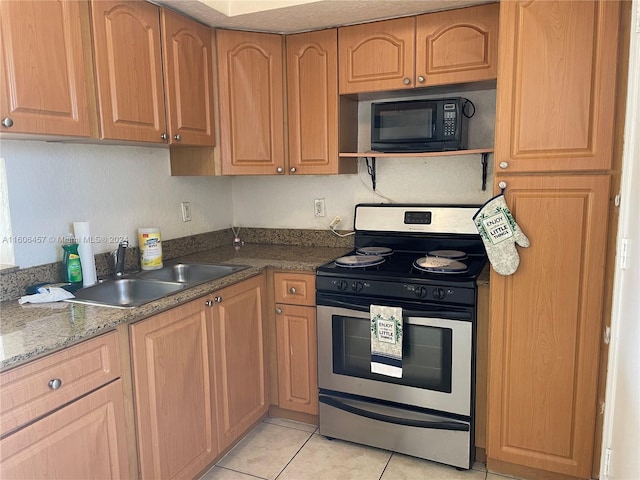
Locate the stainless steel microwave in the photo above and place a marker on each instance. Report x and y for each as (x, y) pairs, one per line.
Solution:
(430, 125)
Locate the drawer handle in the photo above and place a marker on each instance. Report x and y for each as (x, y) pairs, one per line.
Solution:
(55, 384)
(292, 290)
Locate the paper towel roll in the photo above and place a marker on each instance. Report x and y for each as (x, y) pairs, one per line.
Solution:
(83, 237)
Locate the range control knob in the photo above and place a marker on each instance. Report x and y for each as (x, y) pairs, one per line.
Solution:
(342, 284)
(420, 292)
(438, 293)
(357, 286)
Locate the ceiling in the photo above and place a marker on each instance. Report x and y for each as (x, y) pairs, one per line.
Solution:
(291, 16)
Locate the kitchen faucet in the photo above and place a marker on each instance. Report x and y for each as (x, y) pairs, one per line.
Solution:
(118, 258)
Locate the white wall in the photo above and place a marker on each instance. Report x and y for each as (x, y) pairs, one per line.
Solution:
(117, 189)
(622, 403)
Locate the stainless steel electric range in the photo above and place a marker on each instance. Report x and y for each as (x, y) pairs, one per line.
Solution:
(424, 259)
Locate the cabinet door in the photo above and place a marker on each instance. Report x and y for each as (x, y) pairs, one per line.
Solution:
(250, 79)
(556, 86)
(188, 77)
(312, 87)
(377, 56)
(297, 358)
(128, 61)
(175, 406)
(42, 70)
(239, 358)
(457, 46)
(546, 320)
(86, 439)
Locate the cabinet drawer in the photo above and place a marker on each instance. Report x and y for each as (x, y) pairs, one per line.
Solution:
(28, 392)
(295, 288)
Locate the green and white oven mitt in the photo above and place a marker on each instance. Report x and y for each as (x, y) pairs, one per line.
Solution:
(500, 232)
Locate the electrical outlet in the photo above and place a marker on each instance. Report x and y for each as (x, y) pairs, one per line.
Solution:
(335, 222)
(318, 207)
(186, 211)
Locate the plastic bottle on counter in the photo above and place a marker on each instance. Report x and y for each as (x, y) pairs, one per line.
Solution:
(150, 248)
(71, 265)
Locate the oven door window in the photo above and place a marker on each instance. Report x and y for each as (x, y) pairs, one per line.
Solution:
(426, 353)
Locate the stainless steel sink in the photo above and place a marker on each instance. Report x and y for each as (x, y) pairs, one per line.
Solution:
(191, 274)
(125, 292)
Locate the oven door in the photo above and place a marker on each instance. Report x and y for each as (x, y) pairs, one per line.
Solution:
(436, 356)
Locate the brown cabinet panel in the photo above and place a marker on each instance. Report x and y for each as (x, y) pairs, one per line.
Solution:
(129, 70)
(545, 326)
(188, 77)
(457, 46)
(297, 358)
(377, 56)
(295, 288)
(28, 391)
(44, 87)
(239, 358)
(556, 92)
(312, 87)
(250, 79)
(84, 440)
(172, 363)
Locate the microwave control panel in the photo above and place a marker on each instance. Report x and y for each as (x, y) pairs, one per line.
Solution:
(449, 120)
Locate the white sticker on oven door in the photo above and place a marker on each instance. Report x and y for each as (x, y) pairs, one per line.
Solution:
(386, 331)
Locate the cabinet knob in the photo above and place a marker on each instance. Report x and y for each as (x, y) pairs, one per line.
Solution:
(55, 383)
(293, 170)
(504, 164)
(280, 170)
(406, 81)
(502, 185)
(292, 290)
(217, 299)
(420, 79)
(177, 137)
(208, 303)
(278, 311)
(7, 122)
(164, 137)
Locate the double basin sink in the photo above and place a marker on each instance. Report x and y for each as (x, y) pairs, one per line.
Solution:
(147, 286)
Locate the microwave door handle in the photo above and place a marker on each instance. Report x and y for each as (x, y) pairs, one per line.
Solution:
(443, 425)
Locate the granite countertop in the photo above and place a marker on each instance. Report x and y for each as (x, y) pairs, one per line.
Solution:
(29, 331)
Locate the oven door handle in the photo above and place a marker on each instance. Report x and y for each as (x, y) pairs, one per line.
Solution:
(446, 425)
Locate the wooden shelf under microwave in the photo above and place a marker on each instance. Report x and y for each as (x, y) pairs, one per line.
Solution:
(415, 154)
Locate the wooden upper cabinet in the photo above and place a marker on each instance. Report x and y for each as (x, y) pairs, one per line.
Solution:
(250, 80)
(457, 46)
(312, 87)
(546, 324)
(556, 86)
(44, 86)
(377, 56)
(188, 73)
(128, 66)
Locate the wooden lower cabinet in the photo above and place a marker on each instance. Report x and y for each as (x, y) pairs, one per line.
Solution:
(545, 331)
(297, 358)
(240, 365)
(83, 440)
(174, 396)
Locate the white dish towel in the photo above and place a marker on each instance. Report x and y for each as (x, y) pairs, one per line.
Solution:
(386, 340)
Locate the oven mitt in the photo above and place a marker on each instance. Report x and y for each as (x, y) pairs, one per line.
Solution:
(500, 232)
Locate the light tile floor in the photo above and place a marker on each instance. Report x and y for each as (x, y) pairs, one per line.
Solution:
(279, 449)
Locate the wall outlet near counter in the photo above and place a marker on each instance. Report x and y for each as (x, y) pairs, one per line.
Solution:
(186, 211)
(318, 207)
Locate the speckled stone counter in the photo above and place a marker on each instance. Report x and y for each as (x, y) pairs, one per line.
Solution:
(31, 330)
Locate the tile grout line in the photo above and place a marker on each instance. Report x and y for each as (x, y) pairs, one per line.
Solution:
(294, 455)
(386, 465)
